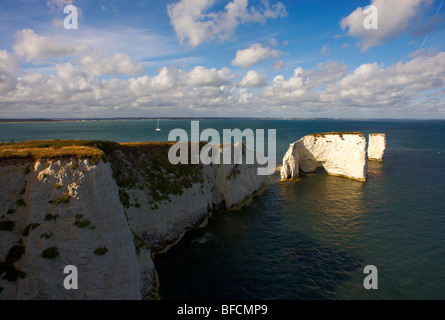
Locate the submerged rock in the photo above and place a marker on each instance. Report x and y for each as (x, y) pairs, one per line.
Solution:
(341, 154)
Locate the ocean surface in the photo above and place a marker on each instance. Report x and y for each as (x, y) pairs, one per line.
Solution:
(311, 238)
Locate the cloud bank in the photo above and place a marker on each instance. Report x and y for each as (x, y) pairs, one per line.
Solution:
(84, 83)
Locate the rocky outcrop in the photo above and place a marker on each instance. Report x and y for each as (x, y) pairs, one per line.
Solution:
(341, 154)
(107, 218)
(377, 146)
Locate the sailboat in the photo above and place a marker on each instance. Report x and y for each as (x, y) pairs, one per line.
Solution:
(158, 129)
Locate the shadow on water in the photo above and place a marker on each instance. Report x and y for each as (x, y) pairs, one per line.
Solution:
(264, 251)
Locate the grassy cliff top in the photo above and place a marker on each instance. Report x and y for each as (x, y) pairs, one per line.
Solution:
(49, 149)
(336, 133)
(53, 149)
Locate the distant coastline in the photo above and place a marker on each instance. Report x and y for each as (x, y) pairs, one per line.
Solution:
(37, 120)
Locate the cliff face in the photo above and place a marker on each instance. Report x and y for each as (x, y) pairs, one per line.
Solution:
(342, 154)
(161, 204)
(105, 218)
(72, 208)
(377, 146)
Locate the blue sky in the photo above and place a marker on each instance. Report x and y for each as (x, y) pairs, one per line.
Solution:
(222, 58)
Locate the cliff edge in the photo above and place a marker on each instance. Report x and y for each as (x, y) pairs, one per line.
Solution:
(105, 208)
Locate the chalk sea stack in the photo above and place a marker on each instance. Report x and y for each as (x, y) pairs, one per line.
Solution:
(377, 146)
(337, 153)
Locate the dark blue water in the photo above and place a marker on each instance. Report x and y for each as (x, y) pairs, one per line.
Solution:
(312, 238)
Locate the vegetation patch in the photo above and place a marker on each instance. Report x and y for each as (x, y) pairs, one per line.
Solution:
(234, 172)
(74, 166)
(7, 225)
(65, 199)
(100, 251)
(50, 253)
(7, 266)
(20, 203)
(51, 149)
(46, 235)
(28, 228)
(124, 198)
(26, 171)
(81, 223)
(146, 166)
(50, 217)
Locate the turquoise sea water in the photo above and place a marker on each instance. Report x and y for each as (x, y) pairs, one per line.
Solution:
(312, 238)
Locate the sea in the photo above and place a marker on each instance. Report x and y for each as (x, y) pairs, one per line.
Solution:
(311, 238)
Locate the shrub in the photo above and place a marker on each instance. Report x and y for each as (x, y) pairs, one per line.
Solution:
(46, 235)
(7, 266)
(50, 253)
(100, 251)
(29, 227)
(27, 170)
(81, 223)
(20, 203)
(7, 225)
(50, 216)
(65, 199)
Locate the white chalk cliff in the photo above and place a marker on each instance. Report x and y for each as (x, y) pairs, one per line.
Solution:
(341, 154)
(377, 146)
(107, 219)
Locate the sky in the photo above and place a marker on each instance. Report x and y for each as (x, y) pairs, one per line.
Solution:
(222, 58)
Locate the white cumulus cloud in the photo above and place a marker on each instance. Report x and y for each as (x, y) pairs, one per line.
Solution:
(248, 57)
(253, 79)
(194, 24)
(394, 17)
(32, 46)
